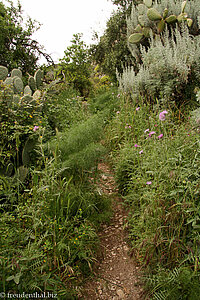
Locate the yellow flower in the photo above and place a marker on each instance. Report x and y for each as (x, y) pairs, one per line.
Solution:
(30, 116)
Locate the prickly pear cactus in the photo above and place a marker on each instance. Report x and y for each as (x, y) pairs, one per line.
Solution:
(27, 90)
(18, 85)
(153, 14)
(16, 72)
(148, 3)
(32, 83)
(171, 19)
(38, 78)
(28, 147)
(9, 81)
(148, 14)
(135, 38)
(3, 72)
(37, 95)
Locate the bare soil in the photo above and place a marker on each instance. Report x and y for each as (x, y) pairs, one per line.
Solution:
(117, 275)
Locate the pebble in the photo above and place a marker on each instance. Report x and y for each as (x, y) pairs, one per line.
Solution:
(120, 294)
(126, 248)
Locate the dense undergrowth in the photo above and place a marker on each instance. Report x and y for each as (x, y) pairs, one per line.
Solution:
(156, 159)
(51, 208)
(55, 131)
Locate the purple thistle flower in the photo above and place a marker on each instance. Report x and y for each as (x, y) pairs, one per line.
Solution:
(137, 108)
(136, 146)
(162, 115)
(35, 128)
(146, 130)
(141, 152)
(129, 126)
(118, 112)
(160, 136)
(151, 133)
(149, 182)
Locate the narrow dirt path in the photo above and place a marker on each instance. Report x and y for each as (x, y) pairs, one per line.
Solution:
(117, 275)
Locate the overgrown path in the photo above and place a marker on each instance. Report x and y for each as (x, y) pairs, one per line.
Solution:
(117, 276)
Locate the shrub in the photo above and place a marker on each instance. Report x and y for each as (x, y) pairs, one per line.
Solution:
(169, 64)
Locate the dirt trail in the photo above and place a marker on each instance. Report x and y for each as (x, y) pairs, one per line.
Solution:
(117, 275)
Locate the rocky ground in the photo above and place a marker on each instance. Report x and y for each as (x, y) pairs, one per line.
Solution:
(117, 275)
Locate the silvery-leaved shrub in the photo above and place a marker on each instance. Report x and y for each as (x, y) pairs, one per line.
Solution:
(167, 58)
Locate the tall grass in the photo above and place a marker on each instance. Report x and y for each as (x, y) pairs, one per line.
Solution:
(157, 170)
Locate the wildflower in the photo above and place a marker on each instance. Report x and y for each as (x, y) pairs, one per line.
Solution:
(146, 130)
(35, 128)
(151, 133)
(136, 145)
(118, 112)
(129, 126)
(137, 108)
(149, 182)
(30, 116)
(118, 96)
(160, 136)
(126, 127)
(162, 115)
(141, 152)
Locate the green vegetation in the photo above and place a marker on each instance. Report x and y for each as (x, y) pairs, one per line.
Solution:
(58, 124)
(17, 48)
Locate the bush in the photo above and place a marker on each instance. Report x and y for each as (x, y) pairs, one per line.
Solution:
(169, 62)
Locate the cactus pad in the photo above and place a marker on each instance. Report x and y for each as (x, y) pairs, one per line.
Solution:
(16, 72)
(141, 9)
(16, 99)
(32, 83)
(138, 28)
(148, 3)
(171, 19)
(189, 22)
(135, 38)
(27, 90)
(141, 20)
(3, 72)
(161, 26)
(9, 81)
(146, 31)
(21, 173)
(153, 14)
(27, 98)
(38, 78)
(28, 147)
(165, 13)
(37, 95)
(18, 85)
